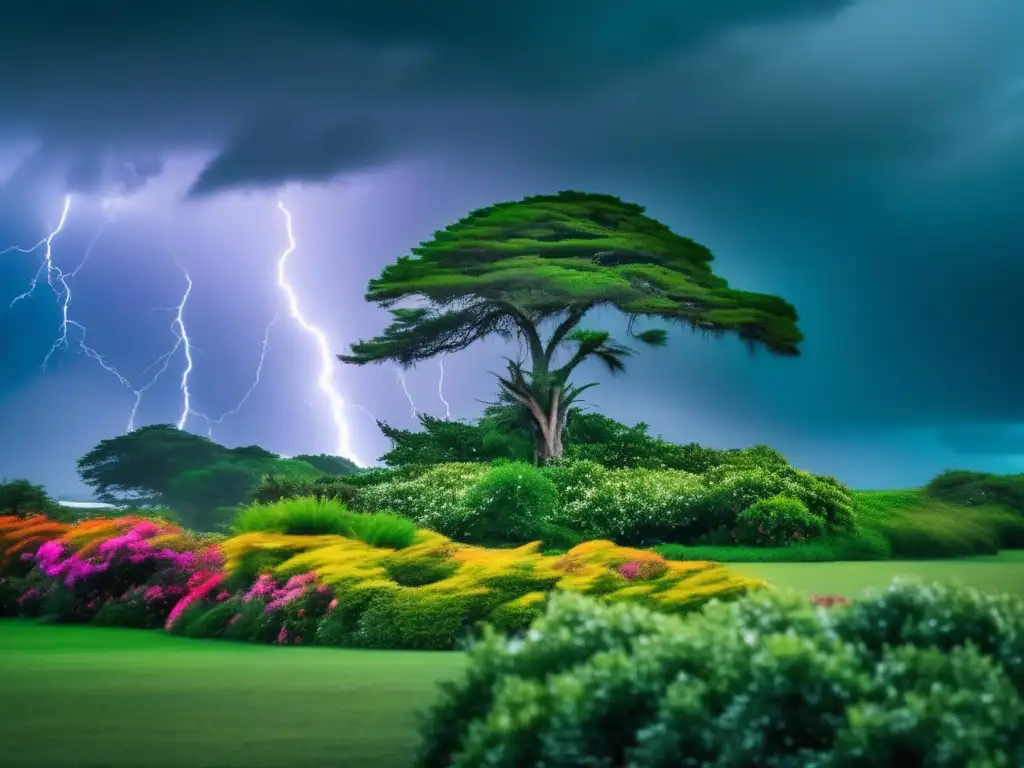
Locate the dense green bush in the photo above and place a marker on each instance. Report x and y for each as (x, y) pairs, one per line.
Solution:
(924, 676)
(309, 516)
(432, 499)
(512, 502)
(730, 490)
(303, 516)
(776, 522)
(630, 506)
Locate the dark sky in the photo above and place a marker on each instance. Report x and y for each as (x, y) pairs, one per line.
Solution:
(862, 158)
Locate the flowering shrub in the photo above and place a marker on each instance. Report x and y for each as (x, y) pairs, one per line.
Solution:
(433, 499)
(630, 506)
(21, 537)
(472, 584)
(776, 522)
(766, 681)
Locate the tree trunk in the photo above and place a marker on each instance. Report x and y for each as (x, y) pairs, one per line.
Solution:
(549, 424)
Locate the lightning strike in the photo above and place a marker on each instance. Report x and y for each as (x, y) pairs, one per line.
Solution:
(211, 423)
(440, 390)
(182, 333)
(325, 380)
(47, 265)
(401, 380)
(57, 279)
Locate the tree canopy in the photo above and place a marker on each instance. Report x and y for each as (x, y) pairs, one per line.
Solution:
(162, 465)
(508, 269)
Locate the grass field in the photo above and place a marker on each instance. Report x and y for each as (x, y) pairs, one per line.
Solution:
(992, 573)
(91, 697)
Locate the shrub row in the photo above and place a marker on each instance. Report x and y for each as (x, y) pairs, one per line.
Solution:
(518, 502)
(924, 676)
(308, 571)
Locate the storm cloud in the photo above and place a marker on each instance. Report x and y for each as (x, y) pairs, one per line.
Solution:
(862, 158)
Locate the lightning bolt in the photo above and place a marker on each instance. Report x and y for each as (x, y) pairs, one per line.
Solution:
(401, 380)
(183, 340)
(57, 279)
(325, 380)
(211, 423)
(440, 389)
(47, 265)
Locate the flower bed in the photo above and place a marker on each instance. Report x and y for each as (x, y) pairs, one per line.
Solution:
(332, 590)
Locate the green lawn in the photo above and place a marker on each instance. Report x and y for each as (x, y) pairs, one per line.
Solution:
(111, 698)
(993, 573)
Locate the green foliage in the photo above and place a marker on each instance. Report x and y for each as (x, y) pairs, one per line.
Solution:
(420, 571)
(167, 466)
(512, 502)
(979, 489)
(860, 544)
(22, 499)
(329, 465)
(919, 525)
(128, 613)
(777, 521)
(307, 516)
(223, 484)
(629, 506)
(304, 516)
(381, 530)
(143, 464)
(432, 499)
(431, 621)
(898, 678)
(731, 489)
(11, 588)
(276, 487)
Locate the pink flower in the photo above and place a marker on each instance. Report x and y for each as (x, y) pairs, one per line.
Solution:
(282, 636)
(223, 595)
(153, 593)
(198, 592)
(629, 571)
(332, 605)
(234, 619)
(263, 587)
(146, 529)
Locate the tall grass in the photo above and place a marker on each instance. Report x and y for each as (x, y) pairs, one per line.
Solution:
(307, 516)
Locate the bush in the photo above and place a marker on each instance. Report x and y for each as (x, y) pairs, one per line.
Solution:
(730, 490)
(776, 522)
(512, 502)
(381, 530)
(895, 679)
(431, 593)
(630, 506)
(304, 516)
(432, 499)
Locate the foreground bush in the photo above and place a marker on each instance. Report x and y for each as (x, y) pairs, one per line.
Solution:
(921, 676)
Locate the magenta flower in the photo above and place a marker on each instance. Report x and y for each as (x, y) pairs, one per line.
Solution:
(197, 593)
(282, 636)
